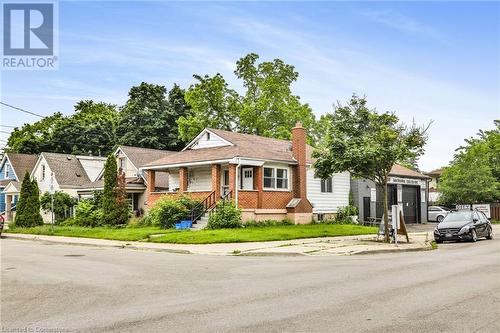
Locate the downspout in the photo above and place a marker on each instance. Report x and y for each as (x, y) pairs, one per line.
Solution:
(236, 185)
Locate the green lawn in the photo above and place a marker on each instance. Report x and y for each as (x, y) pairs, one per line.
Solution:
(251, 234)
(495, 221)
(123, 234)
(260, 234)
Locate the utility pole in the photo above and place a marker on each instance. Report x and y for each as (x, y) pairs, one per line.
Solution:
(51, 191)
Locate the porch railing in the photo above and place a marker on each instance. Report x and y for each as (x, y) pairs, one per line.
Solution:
(207, 204)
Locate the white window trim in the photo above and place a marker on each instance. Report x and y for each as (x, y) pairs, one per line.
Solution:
(276, 179)
(6, 171)
(326, 192)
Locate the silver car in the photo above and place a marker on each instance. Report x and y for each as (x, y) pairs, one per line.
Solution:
(436, 213)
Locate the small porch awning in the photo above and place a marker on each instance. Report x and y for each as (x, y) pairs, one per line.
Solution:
(12, 188)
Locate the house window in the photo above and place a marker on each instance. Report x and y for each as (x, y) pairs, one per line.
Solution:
(122, 163)
(6, 171)
(327, 185)
(43, 172)
(276, 178)
(208, 136)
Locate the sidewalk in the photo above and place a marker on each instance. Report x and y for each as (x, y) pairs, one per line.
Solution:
(365, 244)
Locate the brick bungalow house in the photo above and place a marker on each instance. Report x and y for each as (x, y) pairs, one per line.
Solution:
(267, 178)
(129, 159)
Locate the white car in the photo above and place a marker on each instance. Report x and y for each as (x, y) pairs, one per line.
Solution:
(436, 213)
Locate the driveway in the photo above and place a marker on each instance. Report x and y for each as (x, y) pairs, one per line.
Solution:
(88, 289)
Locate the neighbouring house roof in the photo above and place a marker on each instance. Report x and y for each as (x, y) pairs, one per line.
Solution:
(399, 170)
(436, 172)
(141, 156)
(243, 145)
(67, 169)
(21, 163)
(136, 183)
(13, 187)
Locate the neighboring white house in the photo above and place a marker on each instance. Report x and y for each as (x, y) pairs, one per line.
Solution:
(129, 160)
(66, 172)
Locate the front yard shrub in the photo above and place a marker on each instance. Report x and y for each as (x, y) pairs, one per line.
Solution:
(87, 214)
(168, 211)
(225, 215)
(63, 203)
(343, 214)
(28, 206)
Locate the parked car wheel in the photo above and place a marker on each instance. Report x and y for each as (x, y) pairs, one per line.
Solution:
(439, 241)
(473, 235)
(490, 234)
(440, 218)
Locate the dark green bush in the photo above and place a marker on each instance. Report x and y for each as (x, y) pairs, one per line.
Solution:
(168, 211)
(87, 214)
(344, 213)
(225, 215)
(63, 203)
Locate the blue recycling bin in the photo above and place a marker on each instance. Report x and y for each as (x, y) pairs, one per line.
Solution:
(182, 225)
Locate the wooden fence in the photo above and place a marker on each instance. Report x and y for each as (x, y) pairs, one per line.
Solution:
(495, 211)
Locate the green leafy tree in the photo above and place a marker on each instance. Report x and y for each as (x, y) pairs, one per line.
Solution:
(213, 104)
(122, 204)
(367, 144)
(34, 138)
(28, 206)
(90, 130)
(269, 106)
(109, 203)
(63, 203)
(474, 175)
(149, 117)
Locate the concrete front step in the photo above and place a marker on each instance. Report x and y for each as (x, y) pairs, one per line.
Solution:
(201, 223)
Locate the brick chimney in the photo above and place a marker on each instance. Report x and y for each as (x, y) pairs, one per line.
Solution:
(299, 153)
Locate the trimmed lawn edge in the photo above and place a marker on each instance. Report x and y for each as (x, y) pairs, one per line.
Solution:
(243, 235)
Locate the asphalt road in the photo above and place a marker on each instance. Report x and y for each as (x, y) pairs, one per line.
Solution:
(75, 288)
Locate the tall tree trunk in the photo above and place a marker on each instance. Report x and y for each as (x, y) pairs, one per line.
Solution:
(386, 212)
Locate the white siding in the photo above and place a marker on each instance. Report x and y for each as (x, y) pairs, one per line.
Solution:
(200, 179)
(44, 184)
(204, 142)
(173, 180)
(129, 169)
(328, 202)
(92, 166)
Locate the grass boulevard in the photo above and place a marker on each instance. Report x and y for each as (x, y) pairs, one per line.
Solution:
(158, 235)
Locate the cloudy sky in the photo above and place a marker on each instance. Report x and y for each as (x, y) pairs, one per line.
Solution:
(425, 61)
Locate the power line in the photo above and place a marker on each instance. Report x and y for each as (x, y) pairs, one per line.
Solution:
(22, 110)
(8, 126)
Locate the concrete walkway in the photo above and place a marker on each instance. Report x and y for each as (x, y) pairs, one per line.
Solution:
(324, 246)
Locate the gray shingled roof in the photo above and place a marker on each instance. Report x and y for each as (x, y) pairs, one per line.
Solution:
(68, 171)
(244, 145)
(399, 170)
(22, 163)
(141, 156)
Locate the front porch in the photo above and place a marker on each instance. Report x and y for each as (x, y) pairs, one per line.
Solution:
(261, 191)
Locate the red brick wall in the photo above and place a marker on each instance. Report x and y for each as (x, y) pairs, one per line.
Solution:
(216, 180)
(183, 179)
(248, 199)
(299, 153)
(276, 199)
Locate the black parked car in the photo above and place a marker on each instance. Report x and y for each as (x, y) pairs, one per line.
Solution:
(463, 225)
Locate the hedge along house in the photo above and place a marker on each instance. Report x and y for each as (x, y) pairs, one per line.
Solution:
(68, 173)
(267, 178)
(12, 170)
(406, 187)
(128, 160)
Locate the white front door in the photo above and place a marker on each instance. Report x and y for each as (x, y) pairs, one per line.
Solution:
(247, 182)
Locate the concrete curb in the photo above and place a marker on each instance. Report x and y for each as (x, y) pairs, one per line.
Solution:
(144, 246)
